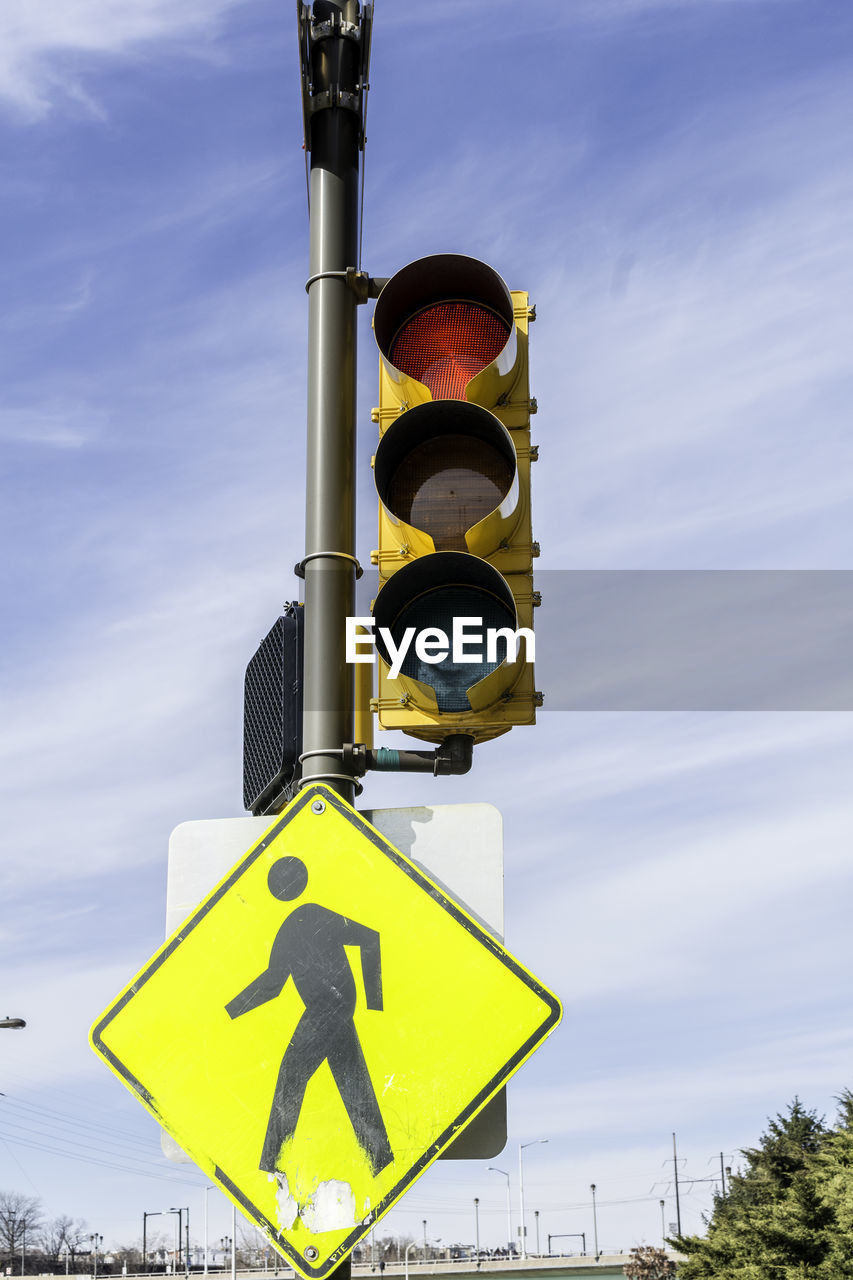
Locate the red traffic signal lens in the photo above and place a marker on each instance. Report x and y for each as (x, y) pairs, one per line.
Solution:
(446, 344)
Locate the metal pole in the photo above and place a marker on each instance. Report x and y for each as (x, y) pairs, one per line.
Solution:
(209, 1187)
(722, 1175)
(662, 1224)
(536, 1216)
(522, 1244)
(329, 567)
(522, 1231)
(144, 1241)
(594, 1219)
(677, 1200)
(234, 1241)
(493, 1169)
(477, 1226)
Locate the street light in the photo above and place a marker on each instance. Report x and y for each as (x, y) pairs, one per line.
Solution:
(96, 1240)
(662, 1224)
(492, 1169)
(180, 1213)
(523, 1229)
(13, 1024)
(409, 1248)
(594, 1220)
(477, 1227)
(211, 1186)
(152, 1213)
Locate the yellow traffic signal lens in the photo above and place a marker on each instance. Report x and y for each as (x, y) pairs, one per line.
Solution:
(447, 484)
(445, 466)
(446, 344)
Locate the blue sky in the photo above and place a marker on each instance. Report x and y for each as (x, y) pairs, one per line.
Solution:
(671, 181)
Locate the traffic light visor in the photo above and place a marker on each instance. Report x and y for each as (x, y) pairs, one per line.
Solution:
(429, 594)
(442, 320)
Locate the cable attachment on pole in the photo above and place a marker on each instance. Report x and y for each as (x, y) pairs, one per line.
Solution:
(334, 49)
(454, 756)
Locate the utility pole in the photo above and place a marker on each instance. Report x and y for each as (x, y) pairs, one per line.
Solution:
(677, 1200)
(335, 40)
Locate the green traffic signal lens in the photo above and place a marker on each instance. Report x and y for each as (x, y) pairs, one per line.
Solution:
(451, 680)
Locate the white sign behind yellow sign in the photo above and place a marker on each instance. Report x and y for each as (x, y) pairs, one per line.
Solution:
(321, 1027)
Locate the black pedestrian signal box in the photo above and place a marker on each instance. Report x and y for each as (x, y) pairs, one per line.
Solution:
(272, 715)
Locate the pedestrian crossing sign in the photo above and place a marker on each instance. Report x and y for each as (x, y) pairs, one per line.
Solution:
(321, 1027)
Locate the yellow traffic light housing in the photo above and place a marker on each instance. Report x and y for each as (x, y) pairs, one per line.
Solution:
(452, 471)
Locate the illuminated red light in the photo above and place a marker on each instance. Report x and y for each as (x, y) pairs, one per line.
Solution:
(446, 344)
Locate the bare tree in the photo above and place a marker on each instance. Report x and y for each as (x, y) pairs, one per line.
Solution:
(61, 1236)
(20, 1220)
(648, 1263)
(128, 1255)
(252, 1247)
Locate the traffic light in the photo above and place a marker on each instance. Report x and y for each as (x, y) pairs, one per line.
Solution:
(453, 616)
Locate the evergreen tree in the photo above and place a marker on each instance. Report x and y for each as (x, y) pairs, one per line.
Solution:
(778, 1221)
(835, 1164)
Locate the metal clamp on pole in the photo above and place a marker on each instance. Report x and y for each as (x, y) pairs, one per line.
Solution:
(299, 568)
(324, 85)
(362, 285)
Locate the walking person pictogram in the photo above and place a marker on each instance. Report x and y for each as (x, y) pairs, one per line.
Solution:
(309, 947)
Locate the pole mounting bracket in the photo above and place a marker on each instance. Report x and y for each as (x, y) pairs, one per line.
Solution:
(299, 569)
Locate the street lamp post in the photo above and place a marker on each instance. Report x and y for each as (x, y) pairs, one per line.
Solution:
(153, 1213)
(180, 1213)
(662, 1224)
(536, 1216)
(522, 1230)
(409, 1248)
(594, 1220)
(477, 1227)
(210, 1187)
(492, 1169)
(96, 1240)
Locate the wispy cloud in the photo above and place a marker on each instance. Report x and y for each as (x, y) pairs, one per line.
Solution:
(39, 42)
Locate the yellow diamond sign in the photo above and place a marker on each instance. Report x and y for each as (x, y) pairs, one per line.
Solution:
(320, 1028)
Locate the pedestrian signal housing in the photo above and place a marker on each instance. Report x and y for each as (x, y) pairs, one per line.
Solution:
(452, 471)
